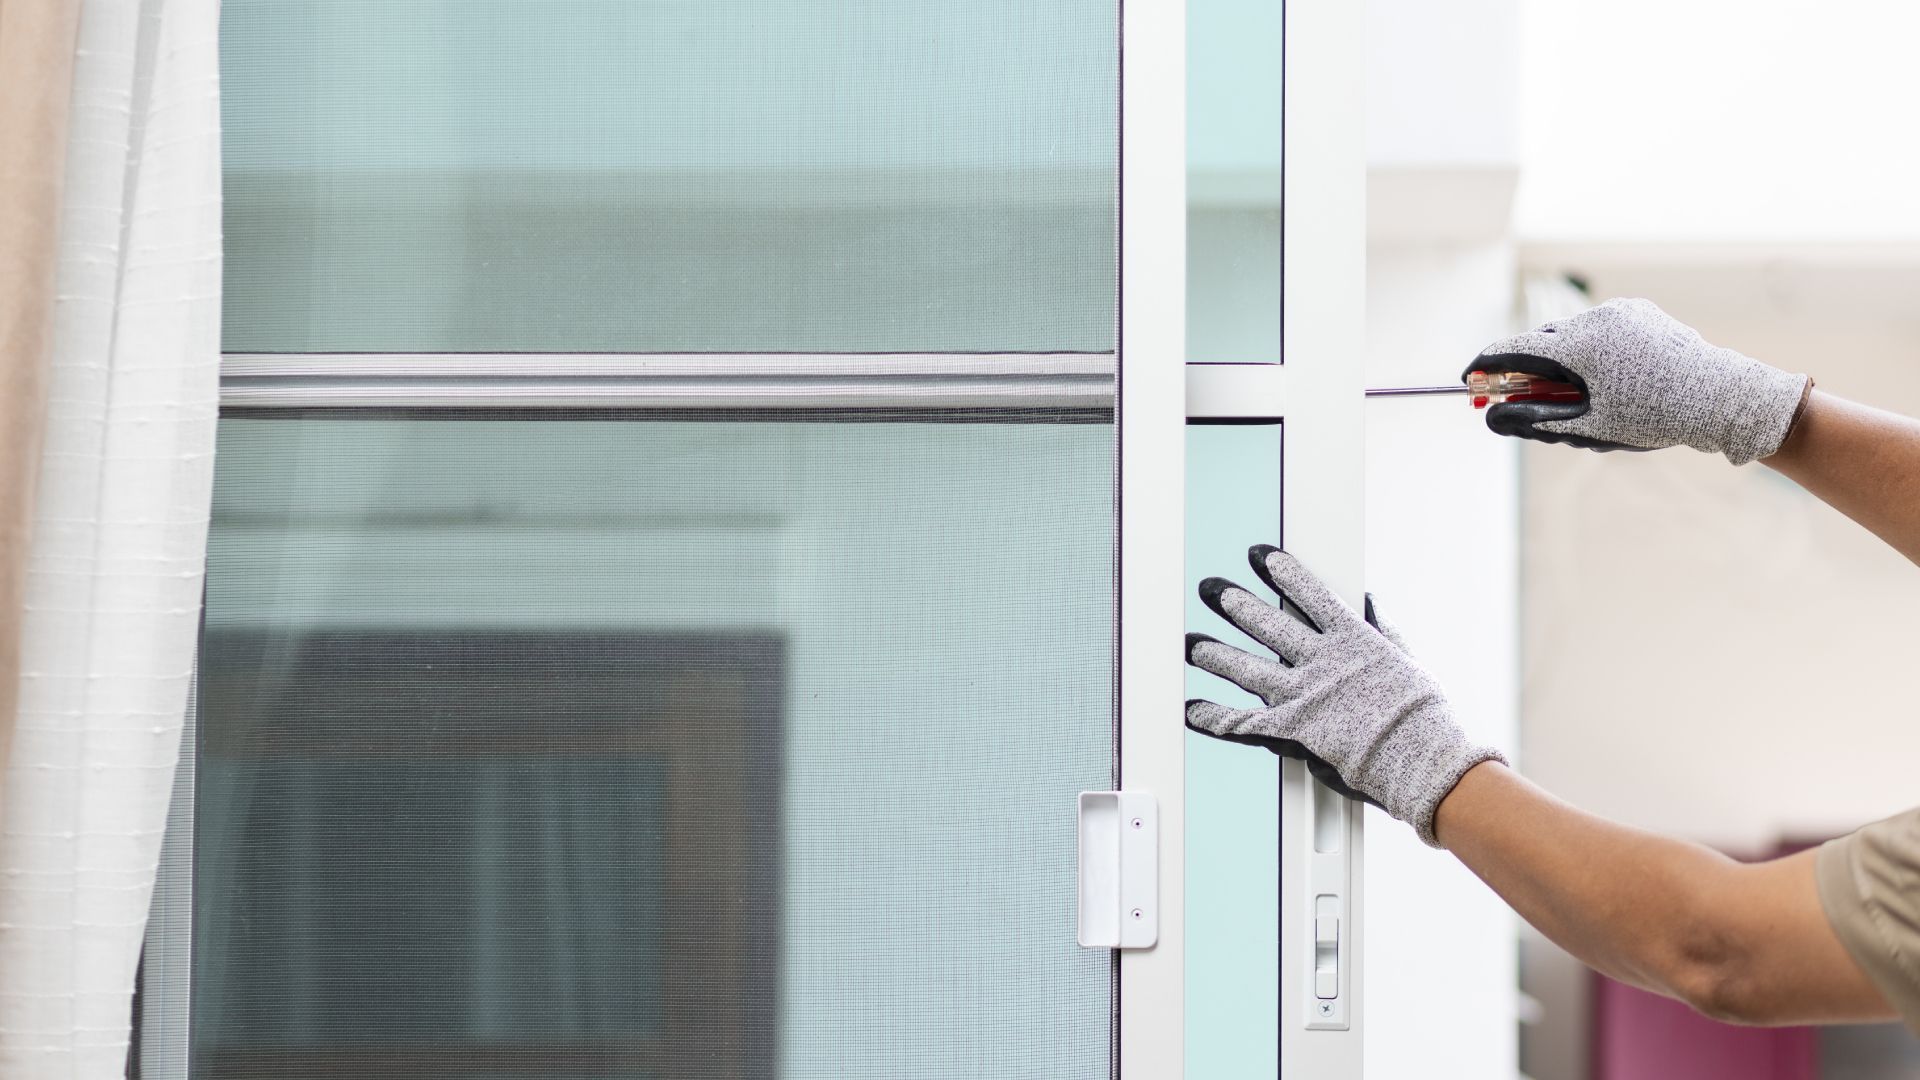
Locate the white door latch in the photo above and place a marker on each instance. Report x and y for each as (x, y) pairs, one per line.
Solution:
(1119, 870)
(1330, 877)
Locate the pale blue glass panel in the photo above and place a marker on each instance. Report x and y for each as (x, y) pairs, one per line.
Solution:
(486, 702)
(670, 175)
(1233, 791)
(1234, 114)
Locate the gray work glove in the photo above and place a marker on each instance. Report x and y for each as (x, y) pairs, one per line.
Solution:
(1342, 691)
(1650, 382)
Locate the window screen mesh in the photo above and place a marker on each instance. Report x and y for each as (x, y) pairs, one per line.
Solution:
(595, 748)
(670, 175)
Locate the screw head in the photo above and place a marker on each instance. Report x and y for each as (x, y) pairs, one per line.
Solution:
(1139, 824)
(1138, 914)
(1326, 1008)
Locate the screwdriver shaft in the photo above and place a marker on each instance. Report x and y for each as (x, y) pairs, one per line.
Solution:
(1408, 391)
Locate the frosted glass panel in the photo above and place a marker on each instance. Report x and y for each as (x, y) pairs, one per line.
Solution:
(665, 175)
(1233, 791)
(1235, 99)
(598, 748)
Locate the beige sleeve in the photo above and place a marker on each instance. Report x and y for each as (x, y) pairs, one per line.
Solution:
(1870, 888)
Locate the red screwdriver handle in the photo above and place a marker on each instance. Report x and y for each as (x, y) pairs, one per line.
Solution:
(1499, 387)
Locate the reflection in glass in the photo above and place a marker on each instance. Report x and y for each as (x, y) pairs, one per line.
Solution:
(595, 748)
(1235, 95)
(667, 176)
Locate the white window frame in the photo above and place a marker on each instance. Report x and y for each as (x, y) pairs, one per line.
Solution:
(1151, 421)
(1316, 392)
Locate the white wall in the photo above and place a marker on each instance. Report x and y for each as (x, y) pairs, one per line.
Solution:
(1671, 120)
(1741, 627)
(1442, 498)
(1690, 627)
(1745, 165)
(1711, 651)
(1442, 84)
(1442, 503)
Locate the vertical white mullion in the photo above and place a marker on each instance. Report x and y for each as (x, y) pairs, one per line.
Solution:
(1151, 415)
(1323, 339)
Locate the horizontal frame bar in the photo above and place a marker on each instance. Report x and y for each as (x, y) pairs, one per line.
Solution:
(1236, 391)
(903, 381)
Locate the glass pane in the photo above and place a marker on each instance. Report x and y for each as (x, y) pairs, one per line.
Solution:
(659, 175)
(1235, 98)
(1233, 792)
(677, 749)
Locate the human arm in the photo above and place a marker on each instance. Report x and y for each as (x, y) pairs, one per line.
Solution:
(1863, 462)
(1742, 942)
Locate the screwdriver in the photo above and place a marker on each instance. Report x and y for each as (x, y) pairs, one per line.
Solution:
(1493, 388)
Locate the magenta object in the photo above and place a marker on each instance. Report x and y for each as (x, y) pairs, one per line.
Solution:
(1642, 1036)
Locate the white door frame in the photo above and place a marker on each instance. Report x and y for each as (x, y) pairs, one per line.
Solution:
(1151, 423)
(1317, 393)
(1323, 342)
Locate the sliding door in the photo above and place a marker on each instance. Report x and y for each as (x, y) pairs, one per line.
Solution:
(687, 527)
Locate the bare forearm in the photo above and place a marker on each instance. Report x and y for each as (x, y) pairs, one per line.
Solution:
(1580, 880)
(1861, 461)
(1742, 942)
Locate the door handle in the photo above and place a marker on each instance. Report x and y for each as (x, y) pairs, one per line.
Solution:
(1119, 870)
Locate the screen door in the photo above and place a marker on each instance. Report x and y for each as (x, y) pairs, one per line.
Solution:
(670, 546)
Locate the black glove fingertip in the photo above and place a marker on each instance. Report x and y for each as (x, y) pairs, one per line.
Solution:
(1257, 558)
(1276, 746)
(1194, 640)
(1211, 590)
(1331, 779)
(1187, 714)
(1514, 425)
(1518, 419)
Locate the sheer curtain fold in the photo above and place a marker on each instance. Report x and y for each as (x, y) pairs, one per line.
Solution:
(118, 540)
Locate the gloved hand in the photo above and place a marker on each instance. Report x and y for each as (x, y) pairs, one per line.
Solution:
(1650, 382)
(1342, 691)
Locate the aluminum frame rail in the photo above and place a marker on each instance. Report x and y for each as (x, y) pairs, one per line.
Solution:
(787, 381)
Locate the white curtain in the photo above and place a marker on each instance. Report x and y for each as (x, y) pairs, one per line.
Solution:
(119, 535)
